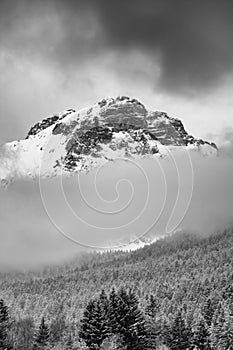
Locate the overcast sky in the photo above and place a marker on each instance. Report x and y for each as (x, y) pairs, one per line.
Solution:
(173, 55)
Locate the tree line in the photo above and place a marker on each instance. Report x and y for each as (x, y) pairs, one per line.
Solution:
(182, 285)
(116, 321)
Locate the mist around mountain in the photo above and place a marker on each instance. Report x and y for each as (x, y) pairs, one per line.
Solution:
(75, 169)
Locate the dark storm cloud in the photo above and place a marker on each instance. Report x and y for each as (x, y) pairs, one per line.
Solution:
(191, 40)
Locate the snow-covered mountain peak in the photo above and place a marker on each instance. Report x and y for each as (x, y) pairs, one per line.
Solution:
(46, 122)
(73, 141)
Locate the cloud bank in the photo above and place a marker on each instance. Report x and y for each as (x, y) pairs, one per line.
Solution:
(53, 222)
(190, 41)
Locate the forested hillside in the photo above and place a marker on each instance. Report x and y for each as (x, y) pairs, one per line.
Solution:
(178, 291)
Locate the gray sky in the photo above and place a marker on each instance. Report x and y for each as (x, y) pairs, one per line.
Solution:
(175, 56)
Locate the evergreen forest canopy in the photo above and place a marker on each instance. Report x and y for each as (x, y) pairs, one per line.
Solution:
(176, 293)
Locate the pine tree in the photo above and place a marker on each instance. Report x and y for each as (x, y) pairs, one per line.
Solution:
(94, 326)
(104, 304)
(226, 337)
(152, 307)
(208, 311)
(153, 333)
(201, 335)
(4, 326)
(189, 317)
(23, 331)
(165, 331)
(179, 336)
(114, 314)
(41, 339)
(129, 318)
(137, 317)
(57, 328)
(217, 326)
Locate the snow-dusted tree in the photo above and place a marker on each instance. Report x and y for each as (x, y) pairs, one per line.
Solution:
(94, 328)
(165, 332)
(57, 328)
(127, 320)
(4, 326)
(179, 338)
(217, 326)
(41, 338)
(152, 306)
(201, 335)
(225, 340)
(208, 311)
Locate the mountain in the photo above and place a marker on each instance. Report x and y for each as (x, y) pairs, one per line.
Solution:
(113, 128)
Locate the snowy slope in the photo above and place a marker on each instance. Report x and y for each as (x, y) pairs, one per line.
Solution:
(74, 141)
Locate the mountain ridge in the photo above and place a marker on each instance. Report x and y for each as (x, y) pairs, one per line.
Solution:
(73, 141)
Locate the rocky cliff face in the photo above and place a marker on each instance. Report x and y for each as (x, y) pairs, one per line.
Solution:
(45, 123)
(122, 114)
(112, 128)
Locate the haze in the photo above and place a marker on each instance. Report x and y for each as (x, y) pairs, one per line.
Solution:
(173, 56)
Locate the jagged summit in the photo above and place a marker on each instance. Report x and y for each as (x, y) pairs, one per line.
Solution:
(123, 113)
(45, 123)
(120, 100)
(78, 140)
(110, 111)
